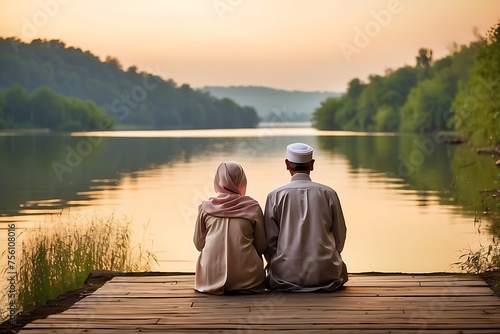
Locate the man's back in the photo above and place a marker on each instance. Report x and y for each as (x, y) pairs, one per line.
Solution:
(306, 232)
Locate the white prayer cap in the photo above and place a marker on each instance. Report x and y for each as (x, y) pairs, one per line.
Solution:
(299, 153)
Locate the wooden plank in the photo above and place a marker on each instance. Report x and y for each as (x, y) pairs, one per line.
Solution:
(307, 331)
(353, 291)
(286, 314)
(369, 303)
(235, 326)
(347, 290)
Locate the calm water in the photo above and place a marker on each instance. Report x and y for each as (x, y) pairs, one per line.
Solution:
(410, 202)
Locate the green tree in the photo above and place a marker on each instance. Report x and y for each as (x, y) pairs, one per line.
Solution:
(414, 99)
(17, 106)
(476, 107)
(398, 84)
(369, 102)
(48, 108)
(75, 119)
(230, 118)
(346, 111)
(424, 57)
(387, 118)
(426, 107)
(129, 96)
(424, 63)
(94, 116)
(3, 124)
(249, 117)
(323, 117)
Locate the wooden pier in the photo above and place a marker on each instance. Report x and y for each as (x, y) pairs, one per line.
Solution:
(372, 303)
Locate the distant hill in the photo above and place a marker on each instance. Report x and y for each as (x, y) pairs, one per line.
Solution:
(273, 104)
(133, 99)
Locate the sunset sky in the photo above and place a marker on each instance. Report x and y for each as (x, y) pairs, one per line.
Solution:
(304, 45)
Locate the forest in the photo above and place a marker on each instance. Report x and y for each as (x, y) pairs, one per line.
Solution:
(459, 92)
(44, 108)
(45, 84)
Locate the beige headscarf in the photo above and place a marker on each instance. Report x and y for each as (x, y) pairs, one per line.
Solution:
(231, 183)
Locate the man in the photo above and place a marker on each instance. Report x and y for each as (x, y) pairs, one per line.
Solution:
(305, 230)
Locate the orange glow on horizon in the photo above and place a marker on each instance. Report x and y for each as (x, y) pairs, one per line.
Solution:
(287, 45)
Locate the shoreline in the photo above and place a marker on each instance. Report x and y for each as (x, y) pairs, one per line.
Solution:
(21, 131)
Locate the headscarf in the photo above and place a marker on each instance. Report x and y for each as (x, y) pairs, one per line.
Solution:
(230, 183)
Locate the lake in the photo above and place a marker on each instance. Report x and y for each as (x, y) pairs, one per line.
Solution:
(411, 202)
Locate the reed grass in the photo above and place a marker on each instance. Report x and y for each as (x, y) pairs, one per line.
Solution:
(485, 259)
(59, 255)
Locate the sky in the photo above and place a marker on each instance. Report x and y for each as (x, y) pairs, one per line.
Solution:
(306, 45)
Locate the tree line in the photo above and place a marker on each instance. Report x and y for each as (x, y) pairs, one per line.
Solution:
(130, 97)
(458, 92)
(45, 108)
(476, 108)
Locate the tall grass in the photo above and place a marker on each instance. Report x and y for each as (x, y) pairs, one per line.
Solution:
(486, 258)
(59, 255)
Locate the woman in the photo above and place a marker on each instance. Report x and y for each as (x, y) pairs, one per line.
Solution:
(230, 235)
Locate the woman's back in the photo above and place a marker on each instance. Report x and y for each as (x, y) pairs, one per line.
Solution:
(230, 235)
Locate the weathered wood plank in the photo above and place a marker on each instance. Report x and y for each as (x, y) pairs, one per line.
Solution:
(307, 331)
(370, 303)
(236, 326)
(286, 316)
(275, 330)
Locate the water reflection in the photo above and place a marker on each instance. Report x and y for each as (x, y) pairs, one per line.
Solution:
(452, 175)
(54, 171)
(410, 201)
